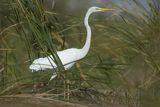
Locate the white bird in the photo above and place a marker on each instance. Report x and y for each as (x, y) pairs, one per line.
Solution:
(68, 56)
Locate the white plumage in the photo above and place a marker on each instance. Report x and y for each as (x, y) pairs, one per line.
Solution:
(68, 56)
(48, 62)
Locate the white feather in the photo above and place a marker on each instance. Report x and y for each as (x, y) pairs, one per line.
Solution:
(68, 56)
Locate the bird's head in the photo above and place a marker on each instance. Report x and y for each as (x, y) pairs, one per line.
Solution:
(98, 9)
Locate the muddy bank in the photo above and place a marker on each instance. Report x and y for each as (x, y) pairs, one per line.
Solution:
(28, 101)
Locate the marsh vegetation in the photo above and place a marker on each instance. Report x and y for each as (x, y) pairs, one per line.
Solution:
(122, 67)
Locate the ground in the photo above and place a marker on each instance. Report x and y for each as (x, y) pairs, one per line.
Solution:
(34, 101)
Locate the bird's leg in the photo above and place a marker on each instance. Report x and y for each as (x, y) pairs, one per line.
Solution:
(68, 91)
(66, 83)
(64, 86)
(64, 92)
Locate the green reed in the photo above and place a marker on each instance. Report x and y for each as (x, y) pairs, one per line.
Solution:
(122, 65)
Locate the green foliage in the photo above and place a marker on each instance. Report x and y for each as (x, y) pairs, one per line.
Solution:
(122, 65)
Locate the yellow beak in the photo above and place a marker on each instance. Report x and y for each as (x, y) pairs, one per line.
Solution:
(104, 9)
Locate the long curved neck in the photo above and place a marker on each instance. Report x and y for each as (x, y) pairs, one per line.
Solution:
(83, 52)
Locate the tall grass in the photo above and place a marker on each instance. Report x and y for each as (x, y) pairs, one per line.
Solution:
(135, 36)
(122, 65)
(32, 25)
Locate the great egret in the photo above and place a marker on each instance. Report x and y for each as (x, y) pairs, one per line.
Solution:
(68, 56)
